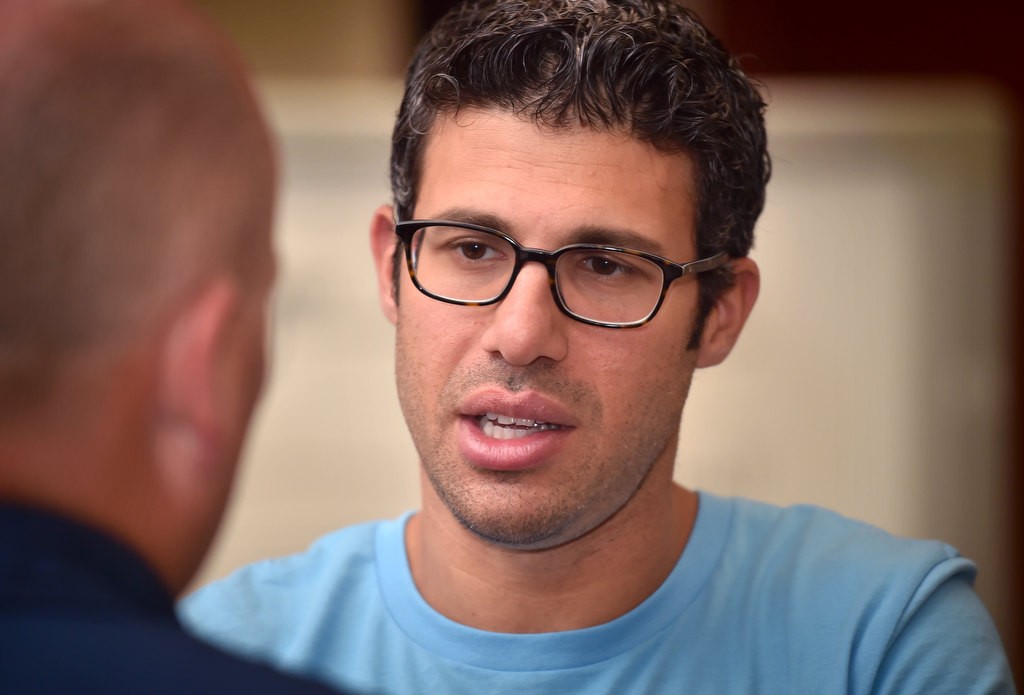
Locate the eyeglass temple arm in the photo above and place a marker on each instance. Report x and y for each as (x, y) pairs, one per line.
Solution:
(705, 264)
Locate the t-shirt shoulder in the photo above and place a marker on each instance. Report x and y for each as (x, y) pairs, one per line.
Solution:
(813, 538)
(817, 567)
(262, 600)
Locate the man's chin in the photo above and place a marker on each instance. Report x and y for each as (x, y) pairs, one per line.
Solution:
(514, 531)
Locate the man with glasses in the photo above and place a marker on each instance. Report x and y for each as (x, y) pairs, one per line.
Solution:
(576, 184)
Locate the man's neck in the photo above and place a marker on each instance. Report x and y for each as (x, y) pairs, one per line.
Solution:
(589, 581)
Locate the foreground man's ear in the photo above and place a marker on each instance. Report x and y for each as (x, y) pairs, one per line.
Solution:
(192, 405)
(729, 314)
(382, 242)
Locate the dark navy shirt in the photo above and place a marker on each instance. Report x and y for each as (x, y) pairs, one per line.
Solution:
(81, 613)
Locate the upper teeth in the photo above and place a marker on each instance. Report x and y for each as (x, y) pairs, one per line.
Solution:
(507, 427)
(517, 421)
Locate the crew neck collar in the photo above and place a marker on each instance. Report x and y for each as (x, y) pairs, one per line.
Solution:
(551, 650)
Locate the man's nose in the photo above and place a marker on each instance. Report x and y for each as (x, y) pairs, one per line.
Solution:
(527, 325)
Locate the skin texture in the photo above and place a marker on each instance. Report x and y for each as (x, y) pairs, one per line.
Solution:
(556, 519)
(142, 357)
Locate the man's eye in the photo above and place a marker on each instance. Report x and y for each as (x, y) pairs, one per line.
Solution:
(602, 265)
(472, 250)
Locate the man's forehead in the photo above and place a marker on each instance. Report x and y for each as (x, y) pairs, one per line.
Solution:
(470, 116)
(505, 127)
(506, 167)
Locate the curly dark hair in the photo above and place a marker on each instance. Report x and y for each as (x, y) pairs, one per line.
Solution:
(645, 67)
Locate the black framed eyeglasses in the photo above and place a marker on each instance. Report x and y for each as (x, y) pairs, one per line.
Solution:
(463, 263)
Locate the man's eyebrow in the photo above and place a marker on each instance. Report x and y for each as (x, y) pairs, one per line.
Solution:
(585, 234)
(614, 236)
(477, 217)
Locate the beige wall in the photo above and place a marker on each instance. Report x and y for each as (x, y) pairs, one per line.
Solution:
(871, 378)
(318, 38)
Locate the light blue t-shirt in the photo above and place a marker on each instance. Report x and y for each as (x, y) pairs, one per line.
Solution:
(762, 600)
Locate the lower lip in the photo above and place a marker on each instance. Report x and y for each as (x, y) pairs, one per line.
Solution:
(523, 453)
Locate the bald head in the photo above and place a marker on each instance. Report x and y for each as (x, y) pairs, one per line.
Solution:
(135, 165)
(136, 196)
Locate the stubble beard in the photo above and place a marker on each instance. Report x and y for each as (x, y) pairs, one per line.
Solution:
(504, 507)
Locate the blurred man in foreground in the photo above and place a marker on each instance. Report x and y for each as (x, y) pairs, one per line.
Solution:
(576, 184)
(136, 190)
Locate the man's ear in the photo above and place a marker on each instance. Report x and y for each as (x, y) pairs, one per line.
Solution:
(192, 413)
(729, 314)
(383, 242)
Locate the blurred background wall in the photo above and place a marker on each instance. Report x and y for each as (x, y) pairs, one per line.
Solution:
(876, 376)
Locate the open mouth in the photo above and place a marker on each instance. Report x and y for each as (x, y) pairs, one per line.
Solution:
(499, 426)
